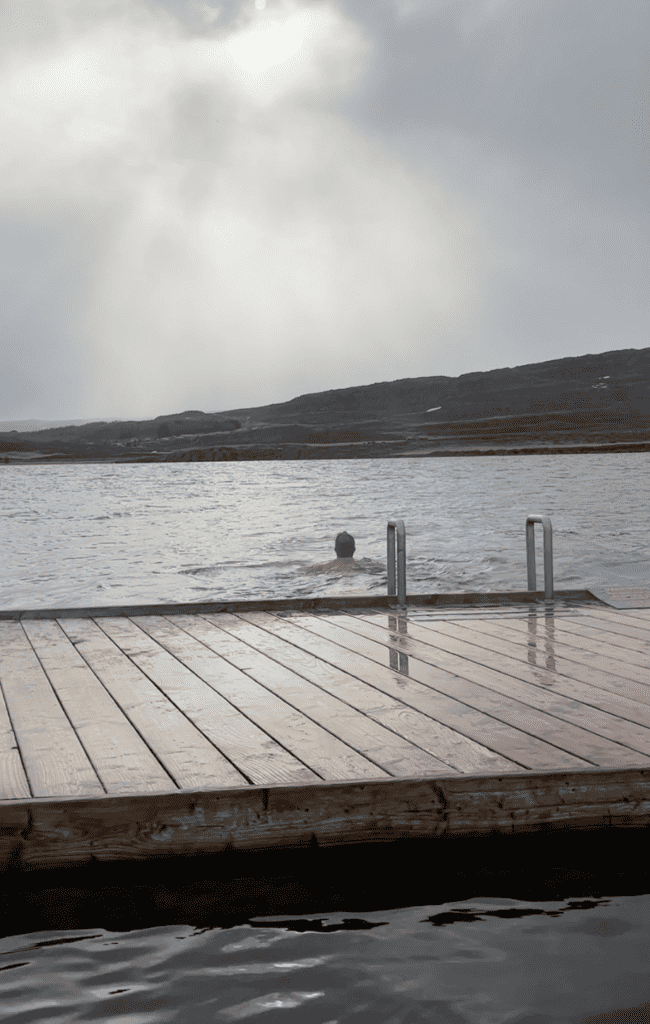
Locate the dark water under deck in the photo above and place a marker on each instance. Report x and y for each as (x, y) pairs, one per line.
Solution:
(534, 929)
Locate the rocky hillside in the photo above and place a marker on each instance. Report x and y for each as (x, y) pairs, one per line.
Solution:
(619, 379)
(578, 400)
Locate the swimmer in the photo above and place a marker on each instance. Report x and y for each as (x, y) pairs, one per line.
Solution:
(344, 562)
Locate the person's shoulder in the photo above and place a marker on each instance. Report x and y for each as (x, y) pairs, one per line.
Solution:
(320, 568)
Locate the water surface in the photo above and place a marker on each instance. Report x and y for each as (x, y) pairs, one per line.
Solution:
(482, 961)
(107, 534)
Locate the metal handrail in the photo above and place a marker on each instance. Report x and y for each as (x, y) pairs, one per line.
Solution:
(396, 532)
(548, 554)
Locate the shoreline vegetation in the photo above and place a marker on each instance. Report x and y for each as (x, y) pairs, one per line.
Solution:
(576, 405)
(290, 452)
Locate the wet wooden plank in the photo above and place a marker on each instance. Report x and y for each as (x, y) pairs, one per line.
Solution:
(13, 781)
(567, 643)
(567, 647)
(506, 599)
(573, 631)
(379, 699)
(633, 613)
(15, 824)
(187, 822)
(431, 613)
(611, 630)
(243, 751)
(618, 622)
(54, 759)
(120, 757)
(197, 643)
(268, 660)
(415, 744)
(545, 664)
(188, 756)
(505, 726)
(614, 696)
(578, 728)
(638, 613)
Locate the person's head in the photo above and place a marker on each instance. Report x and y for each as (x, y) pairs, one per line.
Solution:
(344, 545)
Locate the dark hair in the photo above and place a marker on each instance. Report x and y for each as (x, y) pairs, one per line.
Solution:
(344, 545)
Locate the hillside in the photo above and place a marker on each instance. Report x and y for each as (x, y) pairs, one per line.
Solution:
(579, 400)
(591, 383)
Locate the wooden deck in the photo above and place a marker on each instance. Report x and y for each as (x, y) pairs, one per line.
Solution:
(142, 735)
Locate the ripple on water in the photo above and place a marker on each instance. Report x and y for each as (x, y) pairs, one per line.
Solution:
(482, 960)
(146, 533)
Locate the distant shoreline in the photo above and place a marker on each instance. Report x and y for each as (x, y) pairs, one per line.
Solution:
(293, 453)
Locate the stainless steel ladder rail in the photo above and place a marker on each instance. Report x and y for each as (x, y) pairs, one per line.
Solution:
(548, 554)
(396, 537)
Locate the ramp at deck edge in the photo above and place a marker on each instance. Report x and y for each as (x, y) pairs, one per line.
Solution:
(59, 832)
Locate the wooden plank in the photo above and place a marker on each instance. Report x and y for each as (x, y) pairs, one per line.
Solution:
(506, 598)
(619, 624)
(120, 757)
(545, 662)
(406, 739)
(615, 620)
(459, 751)
(187, 822)
(13, 781)
(601, 738)
(426, 613)
(455, 705)
(486, 648)
(14, 826)
(188, 756)
(573, 631)
(54, 759)
(611, 613)
(637, 613)
(611, 628)
(243, 752)
(197, 643)
(565, 646)
(269, 660)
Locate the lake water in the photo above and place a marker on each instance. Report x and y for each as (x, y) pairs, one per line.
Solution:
(75, 535)
(483, 960)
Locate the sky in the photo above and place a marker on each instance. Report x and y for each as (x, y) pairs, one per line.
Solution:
(214, 206)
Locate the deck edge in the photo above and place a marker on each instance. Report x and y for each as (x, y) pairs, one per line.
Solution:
(301, 604)
(40, 833)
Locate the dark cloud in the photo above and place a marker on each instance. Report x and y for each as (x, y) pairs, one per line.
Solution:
(218, 205)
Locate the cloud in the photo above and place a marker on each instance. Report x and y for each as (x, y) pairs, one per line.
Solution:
(244, 231)
(218, 205)
(306, 248)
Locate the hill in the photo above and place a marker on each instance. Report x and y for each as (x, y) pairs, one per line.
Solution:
(579, 400)
(617, 379)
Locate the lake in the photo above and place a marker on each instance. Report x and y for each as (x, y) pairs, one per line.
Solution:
(484, 960)
(76, 535)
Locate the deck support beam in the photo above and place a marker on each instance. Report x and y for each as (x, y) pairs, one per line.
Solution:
(59, 832)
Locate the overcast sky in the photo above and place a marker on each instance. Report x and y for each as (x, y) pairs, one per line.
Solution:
(218, 205)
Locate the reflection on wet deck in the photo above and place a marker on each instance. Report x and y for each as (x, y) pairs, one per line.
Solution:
(129, 735)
